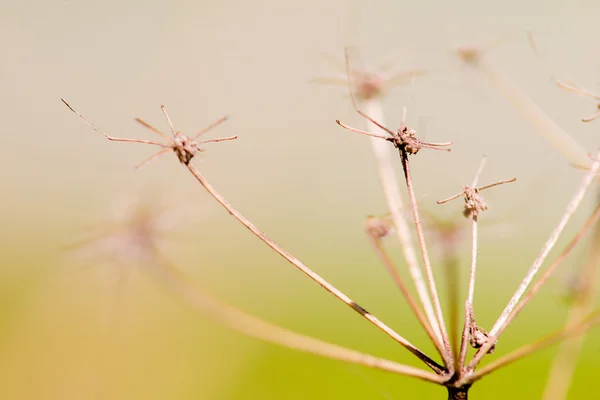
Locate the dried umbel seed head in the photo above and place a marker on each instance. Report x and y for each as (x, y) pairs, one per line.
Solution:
(474, 203)
(185, 148)
(378, 227)
(408, 141)
(478, 337)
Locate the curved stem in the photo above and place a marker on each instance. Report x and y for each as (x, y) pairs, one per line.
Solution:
(271, 333)
(388, 178)
(423, 246)
(393, 271)
(311, 274)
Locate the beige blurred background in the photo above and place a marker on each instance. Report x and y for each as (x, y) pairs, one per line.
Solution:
(68, 330)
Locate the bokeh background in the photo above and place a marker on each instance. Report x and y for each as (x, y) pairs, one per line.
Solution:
(71, 328)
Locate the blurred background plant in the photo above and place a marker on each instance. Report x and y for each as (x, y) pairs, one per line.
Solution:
(292, 171)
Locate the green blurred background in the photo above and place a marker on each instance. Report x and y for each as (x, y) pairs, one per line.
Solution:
(68, 331)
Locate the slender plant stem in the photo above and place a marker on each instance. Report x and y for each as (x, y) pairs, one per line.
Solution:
(388, 178)
(393, 271)
(311, 274)
(452, 280)
(423, 246)
(530, 348)
(469, 308)
(563, 366)
(271, 333)
(471, 292)
(470, 295)
(570, 210)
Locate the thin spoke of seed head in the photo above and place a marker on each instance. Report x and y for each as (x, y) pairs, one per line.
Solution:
(311, 274)
(436, 146)
(260, 329)
(351, 129)
(375, 234)
(469, 306)
(456, 196)
(470, 295)
(153, 157)
(153, 129)
(425, 254)
(577, 89)
(209, 127)
(219, 139)
(112, 138)
(570, 210)
(164, 110)
(496, 184)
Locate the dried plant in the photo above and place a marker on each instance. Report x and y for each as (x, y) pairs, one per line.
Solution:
(454, 372)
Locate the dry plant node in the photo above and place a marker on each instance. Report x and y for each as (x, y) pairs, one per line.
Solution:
(474, 202)
(379, 227)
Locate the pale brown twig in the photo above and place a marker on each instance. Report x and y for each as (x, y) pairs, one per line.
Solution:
(425, 254)
(271, 333)
(388, 180)
(374, 232)
(312, 275)
(407, 143)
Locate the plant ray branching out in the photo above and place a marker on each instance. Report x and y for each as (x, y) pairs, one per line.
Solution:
(455, 372)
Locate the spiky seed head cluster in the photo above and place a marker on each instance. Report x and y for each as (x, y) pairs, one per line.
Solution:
(474, 203)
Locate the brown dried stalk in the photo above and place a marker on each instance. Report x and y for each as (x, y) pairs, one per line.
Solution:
(185, 155)
(474, 205)
(271, 333)
(405, 140)
(362, 83)
(376, 229)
